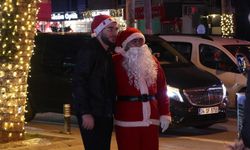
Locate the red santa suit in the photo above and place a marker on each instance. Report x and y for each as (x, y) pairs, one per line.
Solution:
(138, 109)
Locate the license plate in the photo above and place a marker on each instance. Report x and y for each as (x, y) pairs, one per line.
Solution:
(208, 110)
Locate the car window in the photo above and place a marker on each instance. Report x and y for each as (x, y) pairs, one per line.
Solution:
(233, 49)
(59, 51)
(165, 52)
(214, 58)
(184, 48)
(50, 51)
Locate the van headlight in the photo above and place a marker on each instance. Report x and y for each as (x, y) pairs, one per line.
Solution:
(174, 93)
(224, 90)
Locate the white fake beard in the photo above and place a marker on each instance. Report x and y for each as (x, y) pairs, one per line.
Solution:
(139, 63)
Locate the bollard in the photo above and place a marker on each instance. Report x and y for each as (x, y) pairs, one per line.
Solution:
(66, 110)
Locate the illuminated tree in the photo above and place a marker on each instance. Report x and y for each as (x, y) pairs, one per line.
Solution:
(17, 31)
(227, 23)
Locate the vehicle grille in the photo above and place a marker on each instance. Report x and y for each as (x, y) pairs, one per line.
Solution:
(204, 96)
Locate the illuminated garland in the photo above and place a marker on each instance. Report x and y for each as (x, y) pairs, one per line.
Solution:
(17, 31)
(227, 25)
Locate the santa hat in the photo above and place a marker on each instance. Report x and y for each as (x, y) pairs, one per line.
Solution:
(124, 37)
(99, 23)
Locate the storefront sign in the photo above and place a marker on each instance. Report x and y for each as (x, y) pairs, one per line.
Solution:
(71, 15)
(64, 16)
(111, 12)
(116, 12)
(57, 16)
(157, 11)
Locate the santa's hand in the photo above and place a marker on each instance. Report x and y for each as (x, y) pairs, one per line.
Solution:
(164, 122)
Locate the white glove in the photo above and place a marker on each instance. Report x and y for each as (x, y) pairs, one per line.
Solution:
(164, 122)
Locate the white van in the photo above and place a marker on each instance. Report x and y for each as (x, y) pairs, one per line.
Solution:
(215, 55)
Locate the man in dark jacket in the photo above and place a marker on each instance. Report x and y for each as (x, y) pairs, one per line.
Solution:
(243, 54)
(94, 86)
(243, 59)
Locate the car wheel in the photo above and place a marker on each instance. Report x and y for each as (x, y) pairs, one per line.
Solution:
(30, 114)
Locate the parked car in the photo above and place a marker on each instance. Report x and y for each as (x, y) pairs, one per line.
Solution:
(197, 97)
(216, 55)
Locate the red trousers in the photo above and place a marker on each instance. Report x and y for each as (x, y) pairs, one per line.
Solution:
(137, 138)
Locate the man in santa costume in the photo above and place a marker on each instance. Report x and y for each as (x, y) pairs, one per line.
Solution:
(142, 104)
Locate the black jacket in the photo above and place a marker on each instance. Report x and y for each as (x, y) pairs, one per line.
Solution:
(94, 81)
(245, 132)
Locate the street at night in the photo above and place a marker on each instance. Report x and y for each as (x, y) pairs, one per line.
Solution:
(180, 68)
(46, 132)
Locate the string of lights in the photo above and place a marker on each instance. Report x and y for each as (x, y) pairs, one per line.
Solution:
(17, 31)
(227, 25)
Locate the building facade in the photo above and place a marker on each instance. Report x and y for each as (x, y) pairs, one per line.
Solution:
(168, 16)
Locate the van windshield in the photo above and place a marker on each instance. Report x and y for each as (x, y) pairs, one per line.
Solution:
(165, 53)
(233, 49)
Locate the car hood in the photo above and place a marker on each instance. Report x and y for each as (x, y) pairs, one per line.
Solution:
(189, 77)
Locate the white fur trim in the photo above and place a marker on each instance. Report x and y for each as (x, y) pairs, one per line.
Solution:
(146, 112)
(102, 25)
(143, 85)
(137, 123)
(119, 50)
(133, 36)
(93, 35)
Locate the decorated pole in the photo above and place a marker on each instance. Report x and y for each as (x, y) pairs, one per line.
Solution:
(227, 23)
(17, 31)
(148, 16)
(130, 13)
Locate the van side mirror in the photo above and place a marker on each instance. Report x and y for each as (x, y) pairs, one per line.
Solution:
(241, 62)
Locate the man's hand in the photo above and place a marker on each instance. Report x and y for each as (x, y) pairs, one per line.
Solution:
(88, 121)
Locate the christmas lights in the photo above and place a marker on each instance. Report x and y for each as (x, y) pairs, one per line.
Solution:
(227, 25)
(17, 31)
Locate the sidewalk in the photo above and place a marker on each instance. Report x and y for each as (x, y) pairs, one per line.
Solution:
(49, 137)
(42, 135)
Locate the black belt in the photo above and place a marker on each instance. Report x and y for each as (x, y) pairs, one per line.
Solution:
(141, 98)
